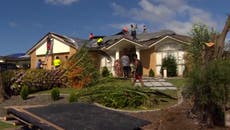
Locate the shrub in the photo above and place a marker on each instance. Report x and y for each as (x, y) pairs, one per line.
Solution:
(55, 94)
(210, 87)
(7, 77)
(24, 92)
(208, 83)
(105, 72)
(73, 97)
(151, 73)
(81, 70)
(37, 79)
(170, 64)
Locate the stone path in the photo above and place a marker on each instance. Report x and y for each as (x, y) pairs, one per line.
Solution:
(156, 83)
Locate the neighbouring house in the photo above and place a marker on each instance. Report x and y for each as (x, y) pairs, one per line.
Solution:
(150, 48)
(14, 61)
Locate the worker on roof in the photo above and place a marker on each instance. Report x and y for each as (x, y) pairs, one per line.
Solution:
(133, 31)
(91, 36)
(125, 30)
(57, 62)
(144, 29)
(99, 41)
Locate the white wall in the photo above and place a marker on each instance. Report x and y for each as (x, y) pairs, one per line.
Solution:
(58, 47)
(179, 55)
(108, 64)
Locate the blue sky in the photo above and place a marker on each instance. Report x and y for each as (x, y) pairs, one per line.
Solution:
(24, 22)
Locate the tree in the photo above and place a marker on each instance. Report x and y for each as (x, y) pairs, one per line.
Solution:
(80, 70)
(209, 78)
(220, 39)
(170, 64)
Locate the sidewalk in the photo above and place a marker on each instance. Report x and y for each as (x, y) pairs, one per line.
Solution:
(156, 83)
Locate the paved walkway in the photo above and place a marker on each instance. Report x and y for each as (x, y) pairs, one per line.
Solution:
(156, 83)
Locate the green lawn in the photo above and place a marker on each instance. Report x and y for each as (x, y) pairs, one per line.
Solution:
(112, 91)
(62, 91)
(178, 82)
(4, 125)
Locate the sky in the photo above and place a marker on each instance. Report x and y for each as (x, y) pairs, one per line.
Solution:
(24, 22)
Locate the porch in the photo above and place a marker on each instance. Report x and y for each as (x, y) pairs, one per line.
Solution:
(116, 51)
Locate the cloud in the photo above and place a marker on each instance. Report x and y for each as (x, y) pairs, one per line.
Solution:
(12, 24)
(176, 15)
(179, 27)
(118, 9)
(198, 16)
(120, 25)
(62, 2)
(173, 4)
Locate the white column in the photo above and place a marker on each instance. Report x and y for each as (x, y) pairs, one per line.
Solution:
(138, 53)
(117, 55)
(165, 73)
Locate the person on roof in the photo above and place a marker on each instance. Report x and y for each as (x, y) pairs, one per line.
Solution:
(91, 36)
(133, 31)
(125, 30)
(144, 29)
(99, 41)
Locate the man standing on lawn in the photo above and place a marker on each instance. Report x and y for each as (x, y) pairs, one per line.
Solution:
(138, 72)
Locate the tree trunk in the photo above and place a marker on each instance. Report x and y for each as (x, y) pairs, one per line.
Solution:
(216, 113)
(220, 39)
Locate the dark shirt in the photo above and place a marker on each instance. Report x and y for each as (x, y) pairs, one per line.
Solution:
(139, 68)
(39, 65)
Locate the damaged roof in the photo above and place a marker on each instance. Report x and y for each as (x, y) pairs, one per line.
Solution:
(143, 39)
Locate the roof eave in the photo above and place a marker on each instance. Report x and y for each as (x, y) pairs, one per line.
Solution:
(109, 47)
(53, 35)
(187, 43)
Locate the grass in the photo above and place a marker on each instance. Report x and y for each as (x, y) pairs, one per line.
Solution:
(4, 125)
(116, 87)
(178, 82)
(62, 91)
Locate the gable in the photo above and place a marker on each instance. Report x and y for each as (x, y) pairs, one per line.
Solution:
(61, 44)
(58, 47)
(169, 43)
(123, 43)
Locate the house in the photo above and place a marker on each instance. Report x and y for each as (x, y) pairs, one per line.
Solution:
(14, 61)
(150, 48)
